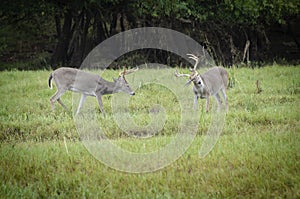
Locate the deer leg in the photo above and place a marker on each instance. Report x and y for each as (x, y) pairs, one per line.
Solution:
(56, 97)
(225, 98)
(196, 102)
(82, 99)
(218, 98)
(61, 103)
(99, 99)
(207, 104)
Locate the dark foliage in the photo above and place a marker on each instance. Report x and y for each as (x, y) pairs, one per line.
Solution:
(56, 33)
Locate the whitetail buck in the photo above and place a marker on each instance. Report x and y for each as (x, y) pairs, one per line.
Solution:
(87, 84)
(207, 84)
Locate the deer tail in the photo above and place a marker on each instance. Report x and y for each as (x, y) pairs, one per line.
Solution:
(49, 81)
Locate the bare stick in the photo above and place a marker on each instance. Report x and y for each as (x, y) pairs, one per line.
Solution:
(246, 52)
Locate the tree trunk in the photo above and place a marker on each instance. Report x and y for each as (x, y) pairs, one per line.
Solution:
(60, 55)
(79, 42)
(100, 31)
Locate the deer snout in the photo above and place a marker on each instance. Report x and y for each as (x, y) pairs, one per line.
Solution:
(132, 93)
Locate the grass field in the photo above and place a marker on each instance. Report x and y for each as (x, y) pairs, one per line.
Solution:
(257, 155)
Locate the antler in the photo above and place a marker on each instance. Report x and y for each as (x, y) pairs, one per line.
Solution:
(126, 72)
(193, 70)
(177, 74)
(131, 70)
(190, 76)
(194, 57)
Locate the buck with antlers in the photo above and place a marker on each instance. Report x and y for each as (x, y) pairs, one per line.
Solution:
(207, 84)
(87, 84)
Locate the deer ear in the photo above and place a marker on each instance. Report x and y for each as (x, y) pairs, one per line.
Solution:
(188, 82)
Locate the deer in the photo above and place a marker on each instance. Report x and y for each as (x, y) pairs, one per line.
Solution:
(210, 83)
(88, 84)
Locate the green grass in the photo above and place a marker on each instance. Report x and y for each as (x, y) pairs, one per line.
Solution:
(257, 155)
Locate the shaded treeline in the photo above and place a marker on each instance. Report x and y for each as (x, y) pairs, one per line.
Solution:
(232, 31)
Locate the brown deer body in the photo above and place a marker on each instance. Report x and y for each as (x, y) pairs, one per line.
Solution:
(210, 83)
(87, 84)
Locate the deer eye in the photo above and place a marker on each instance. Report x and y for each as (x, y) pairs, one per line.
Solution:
(199, 82)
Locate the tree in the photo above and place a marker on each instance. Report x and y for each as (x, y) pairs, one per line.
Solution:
(223, 27)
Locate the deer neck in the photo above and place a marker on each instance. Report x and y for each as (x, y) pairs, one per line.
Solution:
(106, 87)
(111, 88)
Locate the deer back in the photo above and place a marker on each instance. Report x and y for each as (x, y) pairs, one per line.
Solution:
(76, 80)
(215, 79)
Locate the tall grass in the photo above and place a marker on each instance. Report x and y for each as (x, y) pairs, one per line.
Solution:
(257, 155)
